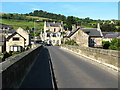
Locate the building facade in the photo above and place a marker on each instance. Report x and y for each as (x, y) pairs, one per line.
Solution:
(52, 33)
(15, 43)
(19, 40)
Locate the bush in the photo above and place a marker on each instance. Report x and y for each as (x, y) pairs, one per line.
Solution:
(115, 44)
(14, 53)
(70, 42)
(5, 55)
(105, 44)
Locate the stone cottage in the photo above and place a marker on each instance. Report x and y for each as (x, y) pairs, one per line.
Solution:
(19, 40)
(15, 42)
(88, 37)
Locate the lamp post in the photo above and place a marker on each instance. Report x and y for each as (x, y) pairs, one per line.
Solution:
(35, 29)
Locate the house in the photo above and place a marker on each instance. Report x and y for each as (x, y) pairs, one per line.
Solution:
(26, 35)
(5, 27)
(88, 37)
(52, 33)
(113, 22)
(15, 42)
(53, 38)
(53, 27)
(108, 36)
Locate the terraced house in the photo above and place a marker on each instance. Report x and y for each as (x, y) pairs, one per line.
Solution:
(52, 33)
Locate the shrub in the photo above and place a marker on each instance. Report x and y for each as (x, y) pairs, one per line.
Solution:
(70, 42)
(105, 44)
(115, 44)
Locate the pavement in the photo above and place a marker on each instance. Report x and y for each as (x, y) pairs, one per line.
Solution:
(70, 72)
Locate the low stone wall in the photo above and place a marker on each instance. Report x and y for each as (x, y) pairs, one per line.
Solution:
(107, 57)
(15, 67)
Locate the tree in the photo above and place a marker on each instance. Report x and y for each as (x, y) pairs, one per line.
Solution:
(108, 28)
(69, 21)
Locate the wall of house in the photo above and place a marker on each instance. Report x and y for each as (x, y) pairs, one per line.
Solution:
(53, 38)
(16, 67)
(81, 38)
(107, 57)
(9, 43)
(98, 40)
(25, 35)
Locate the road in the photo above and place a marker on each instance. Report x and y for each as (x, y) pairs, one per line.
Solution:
(74, 72)
(70, 71)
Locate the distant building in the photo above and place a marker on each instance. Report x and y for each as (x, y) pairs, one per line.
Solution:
(88, 37)
(53, 38)
(5, 27)
(53, 27)
(108, 36)
(52, 33)
(113, 22)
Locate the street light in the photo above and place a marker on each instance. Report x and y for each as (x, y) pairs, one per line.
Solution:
(34, 29)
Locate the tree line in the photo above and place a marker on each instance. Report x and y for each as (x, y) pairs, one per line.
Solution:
(68, 21)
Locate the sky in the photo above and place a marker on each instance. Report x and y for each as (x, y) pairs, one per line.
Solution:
(94, 10)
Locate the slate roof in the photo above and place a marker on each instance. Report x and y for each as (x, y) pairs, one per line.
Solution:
(111, 34)
(93, 32)
(52, 24)
(72, 32)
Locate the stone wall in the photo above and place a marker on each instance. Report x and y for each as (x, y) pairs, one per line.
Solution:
(15, 67)
(106, 57)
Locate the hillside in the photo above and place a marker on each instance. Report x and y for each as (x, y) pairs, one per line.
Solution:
(23, 24)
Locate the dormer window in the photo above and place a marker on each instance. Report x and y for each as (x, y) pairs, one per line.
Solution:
(15, 38)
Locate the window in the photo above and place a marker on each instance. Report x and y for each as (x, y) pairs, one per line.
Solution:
(53, 41)
(54, 29)
(57, 41)
(15, 48)
(54, 35)
(48, 35)
(15, 38)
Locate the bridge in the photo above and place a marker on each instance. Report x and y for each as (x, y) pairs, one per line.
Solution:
(56, 67)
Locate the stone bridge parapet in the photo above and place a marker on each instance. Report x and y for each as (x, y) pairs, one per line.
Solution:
(107, 57)
(16, 67)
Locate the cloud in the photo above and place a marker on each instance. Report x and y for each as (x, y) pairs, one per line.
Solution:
(35, 9)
